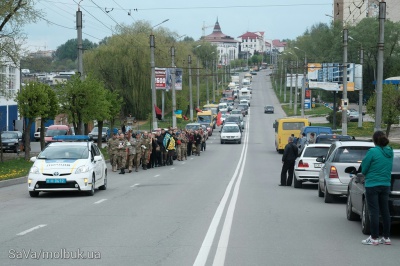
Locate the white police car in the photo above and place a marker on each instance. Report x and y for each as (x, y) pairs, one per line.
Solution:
(68, 166)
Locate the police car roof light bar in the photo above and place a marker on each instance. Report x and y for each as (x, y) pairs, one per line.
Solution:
(72, 138)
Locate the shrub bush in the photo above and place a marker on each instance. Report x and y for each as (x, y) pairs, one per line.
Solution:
(338, 118)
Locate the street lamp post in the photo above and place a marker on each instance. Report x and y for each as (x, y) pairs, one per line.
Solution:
(303, 89)
(360, 95)
(190, 88)
(295, 87)
(153, 77)
(198, 79)
(344, 100)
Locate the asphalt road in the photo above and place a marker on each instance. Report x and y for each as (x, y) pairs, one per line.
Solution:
(223, 208)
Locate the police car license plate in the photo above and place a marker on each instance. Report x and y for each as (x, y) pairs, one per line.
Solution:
(318, 165)
(56, 181)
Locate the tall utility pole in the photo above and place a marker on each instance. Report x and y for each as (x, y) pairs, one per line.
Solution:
(213, 79)
(291, 85)
(379, 75)
(198, 83)
(153, 82)
(173, 87)
(296, 88)
(190, 87)
(344, 100)
(80, 46)
(360, 95)
(284, 92)
(280, 88)
(208, 94)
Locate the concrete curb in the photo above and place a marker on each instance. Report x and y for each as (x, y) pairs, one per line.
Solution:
(14, 181)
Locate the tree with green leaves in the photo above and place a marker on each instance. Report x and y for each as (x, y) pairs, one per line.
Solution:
(49, 113)
(122, 63)
(68, 50)
(33, 101)
(14, 15)
(390, 106)
(83, 101)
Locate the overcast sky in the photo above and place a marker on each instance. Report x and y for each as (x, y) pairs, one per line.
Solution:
(279, 19)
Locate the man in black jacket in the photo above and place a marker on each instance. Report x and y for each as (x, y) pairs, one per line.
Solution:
(288, 159)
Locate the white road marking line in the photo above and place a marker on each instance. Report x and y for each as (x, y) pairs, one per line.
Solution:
(31, 229)
(135, 185)
(183, 163)
(191, 158)
(156, 175)
(172, 168)
(204, 251)
(100, 201)
(222, 247)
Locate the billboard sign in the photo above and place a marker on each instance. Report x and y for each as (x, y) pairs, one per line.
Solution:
(320, 75)
(161, 80)
(164, 78)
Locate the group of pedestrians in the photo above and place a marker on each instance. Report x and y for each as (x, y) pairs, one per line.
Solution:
(131, 150)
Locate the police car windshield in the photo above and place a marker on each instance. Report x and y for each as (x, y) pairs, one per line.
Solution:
(64, 152)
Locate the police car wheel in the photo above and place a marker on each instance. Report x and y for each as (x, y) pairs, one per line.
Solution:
(104, 186)
(91, 192)
(34, 194)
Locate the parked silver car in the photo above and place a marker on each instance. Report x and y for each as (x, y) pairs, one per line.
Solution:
(333, 180)
(306, 168)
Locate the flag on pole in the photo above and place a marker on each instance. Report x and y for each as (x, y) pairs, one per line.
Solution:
(158, 112)
(178, 113)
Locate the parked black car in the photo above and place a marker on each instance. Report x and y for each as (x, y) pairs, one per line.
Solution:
(357, 207)
(11, 141)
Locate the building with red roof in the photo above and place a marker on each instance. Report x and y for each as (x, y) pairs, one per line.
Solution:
(227, 46)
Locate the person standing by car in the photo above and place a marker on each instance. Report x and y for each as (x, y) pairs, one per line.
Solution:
(377, 167)
(288, 159)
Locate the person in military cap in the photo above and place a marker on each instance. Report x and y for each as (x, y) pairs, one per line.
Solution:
(112, 146)
(122, 152)
(178, 145)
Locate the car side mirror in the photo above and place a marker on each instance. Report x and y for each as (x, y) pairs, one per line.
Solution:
(350, 170)
(97, 158)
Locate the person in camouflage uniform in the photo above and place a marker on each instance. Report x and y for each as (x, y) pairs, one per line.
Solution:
(132, 152)
(112, 146)
(122, 152)
(184, 140)
(146, 149)
(138, 155)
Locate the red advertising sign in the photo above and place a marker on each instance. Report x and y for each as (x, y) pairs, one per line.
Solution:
(161, 78)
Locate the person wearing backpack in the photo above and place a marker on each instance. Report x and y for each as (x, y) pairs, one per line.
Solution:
(288, 159)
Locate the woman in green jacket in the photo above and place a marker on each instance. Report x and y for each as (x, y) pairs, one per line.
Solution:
(377, 168)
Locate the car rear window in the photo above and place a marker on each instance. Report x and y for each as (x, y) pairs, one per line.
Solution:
(315, 152)
(350, 154)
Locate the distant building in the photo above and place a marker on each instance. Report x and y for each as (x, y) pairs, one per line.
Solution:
(352, 12)
(252, 42)
(276, 45)
(39, 54)
(227, 46)
(9, 86)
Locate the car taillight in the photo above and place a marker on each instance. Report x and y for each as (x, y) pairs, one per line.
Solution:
(333, 172)
(301, 164)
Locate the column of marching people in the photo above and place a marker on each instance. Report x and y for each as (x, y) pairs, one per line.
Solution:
(131, 151)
